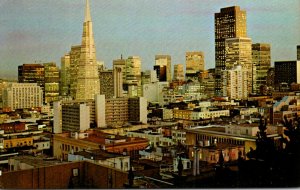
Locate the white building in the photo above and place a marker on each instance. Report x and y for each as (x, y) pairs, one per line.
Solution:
(154, 91)
(22, 95)
(209, 114)
(235, 83)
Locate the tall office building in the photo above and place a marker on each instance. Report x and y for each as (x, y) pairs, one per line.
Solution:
(88, 83)
(298, 52)
(32, 73)
(178, 72)
(107, 86)
(74, 62)
(164, 60)
(64, 88)
(51, 82)
(194, 65)
(230, 22)
(238, 51)
(261, 63)
(287, 72)
(133, 76)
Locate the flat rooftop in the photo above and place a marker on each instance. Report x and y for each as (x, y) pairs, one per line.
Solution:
(37, 161)
(98, 154)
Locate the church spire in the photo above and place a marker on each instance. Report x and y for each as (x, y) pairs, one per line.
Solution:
(87, 12)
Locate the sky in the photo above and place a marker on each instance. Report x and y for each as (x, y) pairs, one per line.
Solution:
(44, 30)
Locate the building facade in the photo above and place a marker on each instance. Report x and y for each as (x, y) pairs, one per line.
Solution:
(287, 72)
(88, 83)
(230, 22)
(261, 63)
(64, 88)
(238, 51)
(133, 80)
(235, 83)
(32, 73)
(194, 64)
(178, 72)
(74, 62)
(107, 86)
(51, 92)
(76, 117)
(22, 95)
(164, 61)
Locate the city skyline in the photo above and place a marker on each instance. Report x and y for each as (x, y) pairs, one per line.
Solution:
(137, 28)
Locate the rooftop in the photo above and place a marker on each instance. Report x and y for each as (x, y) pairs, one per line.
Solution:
(38, 161)
(98, 154)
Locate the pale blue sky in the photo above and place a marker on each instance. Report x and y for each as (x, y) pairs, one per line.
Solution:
(44, 30)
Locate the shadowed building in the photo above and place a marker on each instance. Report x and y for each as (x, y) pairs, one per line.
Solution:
(164, 60)
(287, 72)
(32, 73)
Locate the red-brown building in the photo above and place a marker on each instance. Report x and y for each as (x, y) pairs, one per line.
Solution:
(92, 139)
(12, 127)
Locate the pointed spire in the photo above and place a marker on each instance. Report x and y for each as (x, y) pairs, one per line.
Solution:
(87, 12)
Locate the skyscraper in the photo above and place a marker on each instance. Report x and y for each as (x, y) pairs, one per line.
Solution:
(261, 62)
(178, 72)
(133, 76)
(287, 72)
(107, 86)
(51, 82)
(32, 73)
(64, 89)
(88, 83)
(194, 64)
(238, 52)
(165, 60)
(74, 62)
(229, 23)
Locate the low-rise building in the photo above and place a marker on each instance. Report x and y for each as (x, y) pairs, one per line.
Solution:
(113, 160)
(215, 134)
(91, 139)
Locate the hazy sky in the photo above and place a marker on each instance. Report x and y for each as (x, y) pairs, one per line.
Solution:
(44, 30)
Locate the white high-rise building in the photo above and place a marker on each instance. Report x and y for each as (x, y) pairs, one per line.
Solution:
(88, 82)
(235, 82)
(22, 95)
